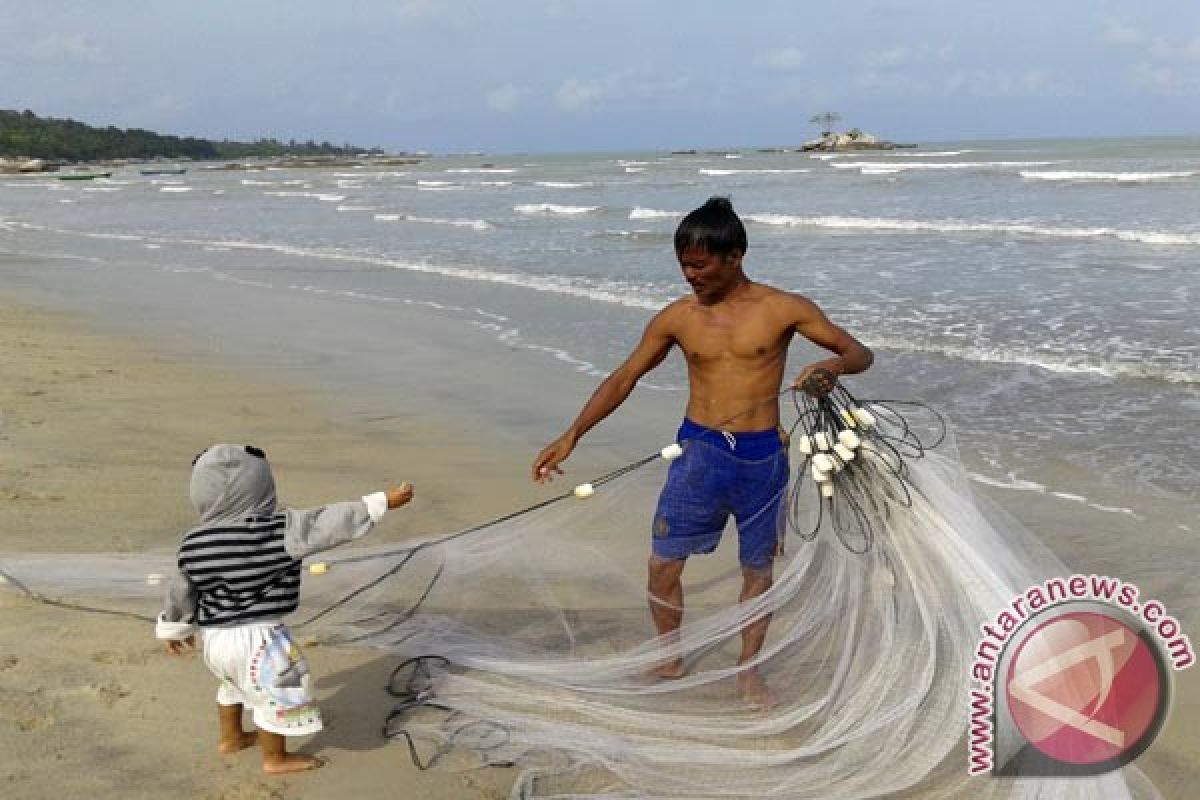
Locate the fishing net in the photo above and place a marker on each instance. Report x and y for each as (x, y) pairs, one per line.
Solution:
(527, 641)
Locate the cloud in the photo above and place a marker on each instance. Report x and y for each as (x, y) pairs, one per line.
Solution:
(1156, 47)
(1159, 79)
(1163, 65)
(1164, 50)
(76, 47)
(170, 103)
(905, 55)
(632, 85)
(1116, 32)
(577, 95)
(784, 58)
(505, 98)
(1000, 83)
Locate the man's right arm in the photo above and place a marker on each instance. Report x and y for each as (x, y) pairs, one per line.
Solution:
(651, 350)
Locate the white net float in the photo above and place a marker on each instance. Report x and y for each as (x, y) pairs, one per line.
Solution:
(865, 418)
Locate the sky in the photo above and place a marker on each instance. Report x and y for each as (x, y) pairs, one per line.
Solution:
(611, 75)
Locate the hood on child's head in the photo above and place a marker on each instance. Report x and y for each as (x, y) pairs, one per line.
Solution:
(231, 482)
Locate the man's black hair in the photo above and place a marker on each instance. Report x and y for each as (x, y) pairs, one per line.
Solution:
(713, 227)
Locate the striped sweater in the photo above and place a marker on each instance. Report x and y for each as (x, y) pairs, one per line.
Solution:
(241, 573)
(249, 571)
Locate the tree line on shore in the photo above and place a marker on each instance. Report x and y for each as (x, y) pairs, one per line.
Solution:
(24, 134)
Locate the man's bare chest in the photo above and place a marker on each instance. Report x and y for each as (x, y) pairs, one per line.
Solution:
(711, 341)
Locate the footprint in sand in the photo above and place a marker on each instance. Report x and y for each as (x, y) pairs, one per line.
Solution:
(251, 791)
(123, 658)
(28, 711)
(107, 694)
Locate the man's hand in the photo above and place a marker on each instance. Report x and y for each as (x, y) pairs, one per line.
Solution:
(545, 466)
(399, 495)
(818, 380)
(177, 647)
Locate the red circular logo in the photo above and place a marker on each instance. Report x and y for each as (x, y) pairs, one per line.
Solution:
(1085, 688)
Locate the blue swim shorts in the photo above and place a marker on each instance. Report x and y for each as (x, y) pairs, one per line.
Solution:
(719, 473)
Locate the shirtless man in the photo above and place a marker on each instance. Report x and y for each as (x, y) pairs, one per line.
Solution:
(735, 335)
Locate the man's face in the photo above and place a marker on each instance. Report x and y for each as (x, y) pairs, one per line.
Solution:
(708, 274)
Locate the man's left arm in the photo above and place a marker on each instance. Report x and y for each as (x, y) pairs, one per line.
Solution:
(852, 356)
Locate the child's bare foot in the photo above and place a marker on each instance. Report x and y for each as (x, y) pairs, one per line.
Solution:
(228, 746)
(291, 762)
(668, 670)
(754, 690)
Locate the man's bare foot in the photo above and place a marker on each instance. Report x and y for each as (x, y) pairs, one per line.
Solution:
(754, 690)
(292, 762)
(247, 739)
(668, 670)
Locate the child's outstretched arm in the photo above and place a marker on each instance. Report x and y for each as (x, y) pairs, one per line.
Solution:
(176, 622)
(313, 530)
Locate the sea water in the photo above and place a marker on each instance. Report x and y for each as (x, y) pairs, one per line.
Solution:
(1041, 293)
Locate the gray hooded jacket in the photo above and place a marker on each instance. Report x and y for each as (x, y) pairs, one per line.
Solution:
(242, 563)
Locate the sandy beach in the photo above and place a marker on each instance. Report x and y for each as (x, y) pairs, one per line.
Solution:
(97, 437)
(98, 431)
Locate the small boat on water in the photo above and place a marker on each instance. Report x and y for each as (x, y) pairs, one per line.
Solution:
(83, 176)
(164, 171)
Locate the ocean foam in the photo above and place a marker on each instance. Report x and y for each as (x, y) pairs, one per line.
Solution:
(175, 188)
(868, 224)
(907, 165)
(1106, 177)
(1140, 369)
(553, 208)
(474, 224)
(483, 171)
(325, 198)
(937, 153)
(563, 184)
(439, 186)
(723, 172)
(653, 213)
(1016, 484)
